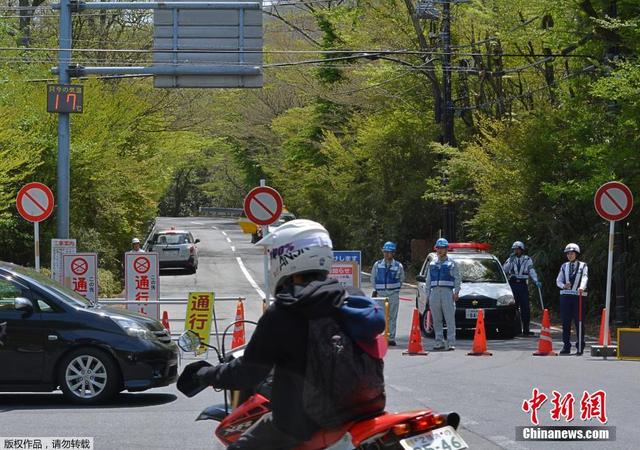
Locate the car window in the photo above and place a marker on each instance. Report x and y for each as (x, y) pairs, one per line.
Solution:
(173, 239)
(44, 306)
(69, 296)
(8, 294)
(475, 270)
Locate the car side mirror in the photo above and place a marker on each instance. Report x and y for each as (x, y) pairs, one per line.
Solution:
(197, 240)
(421, 278)
(24, 305)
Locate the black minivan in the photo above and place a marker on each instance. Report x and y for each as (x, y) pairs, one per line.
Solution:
(52, 337)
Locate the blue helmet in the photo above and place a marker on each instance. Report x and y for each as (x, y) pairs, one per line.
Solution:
(442, 242)
(389, 247)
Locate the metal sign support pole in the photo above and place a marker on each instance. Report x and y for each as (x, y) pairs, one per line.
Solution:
(609, 276)
(267, 291)
(36, 243)
(64, 161)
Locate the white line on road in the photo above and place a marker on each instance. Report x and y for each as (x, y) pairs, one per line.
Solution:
(224, 233)
(233, 249)
(214, 227)
(197, 223)
(252, 282)
(229, 240)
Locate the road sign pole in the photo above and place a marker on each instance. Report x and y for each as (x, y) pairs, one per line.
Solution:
(64, 160)
(36, 243)
(612, 224)
(267, 292)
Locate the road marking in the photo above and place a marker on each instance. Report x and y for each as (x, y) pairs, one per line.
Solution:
(229, 240)
(224, 233)
(400, 388)
(249, 278)
(197, 223)
(233, 249)
(214, 227)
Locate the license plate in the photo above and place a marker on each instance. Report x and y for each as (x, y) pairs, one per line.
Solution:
(445, 438)
(471, 313)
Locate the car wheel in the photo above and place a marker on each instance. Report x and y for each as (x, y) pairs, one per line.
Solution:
(88, 376)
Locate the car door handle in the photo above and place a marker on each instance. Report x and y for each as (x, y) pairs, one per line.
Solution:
(52, 337)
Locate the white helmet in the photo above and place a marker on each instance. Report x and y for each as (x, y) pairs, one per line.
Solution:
(572, 248)
(518, 244)
(297, 246)
(135, 241)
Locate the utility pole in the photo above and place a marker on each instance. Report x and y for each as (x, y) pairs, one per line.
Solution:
(448, 137)
(64, 160)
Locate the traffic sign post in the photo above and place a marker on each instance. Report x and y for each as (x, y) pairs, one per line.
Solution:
(80, 273)
(613, 201)
(142, 282)
(263, 206)
(35, 203)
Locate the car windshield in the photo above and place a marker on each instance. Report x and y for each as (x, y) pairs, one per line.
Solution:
(475, 270)
(172, 239)
(67, 295)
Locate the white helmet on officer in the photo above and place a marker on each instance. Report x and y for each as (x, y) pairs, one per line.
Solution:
(296, 247)
(572, 248)
(135, 241)
(518, 244)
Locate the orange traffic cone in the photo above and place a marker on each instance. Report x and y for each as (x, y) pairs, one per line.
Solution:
(480, 338)
(601, 337)
(545, 343)
(415, 339)
(238, 329)
(165, 321)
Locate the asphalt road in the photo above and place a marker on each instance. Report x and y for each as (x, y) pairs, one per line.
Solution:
(487, 392)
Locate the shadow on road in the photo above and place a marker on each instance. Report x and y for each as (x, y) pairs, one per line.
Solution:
(12, 402)
(177, 271)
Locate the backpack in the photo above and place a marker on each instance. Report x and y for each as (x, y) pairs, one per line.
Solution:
(342, 382)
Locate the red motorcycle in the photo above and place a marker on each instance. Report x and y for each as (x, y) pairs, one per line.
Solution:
(421, 429)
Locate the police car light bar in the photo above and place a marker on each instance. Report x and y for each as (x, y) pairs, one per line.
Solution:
(469, 246)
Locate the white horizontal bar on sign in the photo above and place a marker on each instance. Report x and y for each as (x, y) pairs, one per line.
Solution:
(169, 301)
(162, 31)
(207, 18)
(199, 81)
(207, 58)
(207, 44)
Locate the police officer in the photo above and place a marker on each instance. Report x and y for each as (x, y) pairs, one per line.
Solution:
(519, 267)
(388, 276)
(135, 246)
(572, 281)
(442, 287)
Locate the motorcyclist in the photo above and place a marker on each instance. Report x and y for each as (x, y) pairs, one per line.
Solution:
(300, 258)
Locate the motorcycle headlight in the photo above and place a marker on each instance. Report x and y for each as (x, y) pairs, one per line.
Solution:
(133, 328)
(506, 300)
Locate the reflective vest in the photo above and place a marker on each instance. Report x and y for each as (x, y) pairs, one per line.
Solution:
(440, 273)
(520, 268)
(387, 278)
(574, 278)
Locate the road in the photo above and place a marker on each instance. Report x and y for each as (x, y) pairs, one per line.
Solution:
(487, 392)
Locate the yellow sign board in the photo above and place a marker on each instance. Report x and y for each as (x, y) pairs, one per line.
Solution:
(199, 315)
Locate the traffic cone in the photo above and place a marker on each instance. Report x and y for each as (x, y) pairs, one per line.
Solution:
(545, 343)
(415, 338)
(165, 321)
(480, 338)
(601, 336)
(238, 329)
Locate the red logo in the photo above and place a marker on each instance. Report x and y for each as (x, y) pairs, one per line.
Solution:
(79, 266)
(141, 264)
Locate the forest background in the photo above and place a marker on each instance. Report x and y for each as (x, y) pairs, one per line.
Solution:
(348, 127)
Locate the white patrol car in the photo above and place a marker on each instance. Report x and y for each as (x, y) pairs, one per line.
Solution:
(175, 248)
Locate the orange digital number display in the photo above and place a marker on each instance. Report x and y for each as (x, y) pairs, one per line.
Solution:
(64, 98)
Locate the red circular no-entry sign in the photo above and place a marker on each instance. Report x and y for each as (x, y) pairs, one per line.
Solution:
(613, 201)
(263, 205)
(142, 264)
(79, 266)
(35, 202)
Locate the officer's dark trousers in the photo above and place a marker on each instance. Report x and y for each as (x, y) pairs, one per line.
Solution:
(521, 294)
(569, 313)
(263, 435)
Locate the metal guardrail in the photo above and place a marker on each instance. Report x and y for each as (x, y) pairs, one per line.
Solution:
(220, 212)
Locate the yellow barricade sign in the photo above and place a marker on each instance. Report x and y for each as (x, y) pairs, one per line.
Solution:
(199, 316)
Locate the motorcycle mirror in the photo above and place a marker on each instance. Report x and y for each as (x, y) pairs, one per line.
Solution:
(189, 341)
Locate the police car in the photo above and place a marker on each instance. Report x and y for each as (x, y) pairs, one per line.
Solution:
(484, 286)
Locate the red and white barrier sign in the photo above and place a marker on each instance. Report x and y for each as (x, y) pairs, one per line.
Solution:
(613, 201)
(35, 202)
(346, 272)
(142, 282)
(80, 273)
(263, 205)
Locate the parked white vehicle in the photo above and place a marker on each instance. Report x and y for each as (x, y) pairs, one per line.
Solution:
(176, 248)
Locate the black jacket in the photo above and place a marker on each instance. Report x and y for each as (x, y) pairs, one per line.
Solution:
(280, 342)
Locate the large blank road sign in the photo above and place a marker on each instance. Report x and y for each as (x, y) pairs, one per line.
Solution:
(203, 37)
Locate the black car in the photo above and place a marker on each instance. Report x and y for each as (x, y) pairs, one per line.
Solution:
(51, 337)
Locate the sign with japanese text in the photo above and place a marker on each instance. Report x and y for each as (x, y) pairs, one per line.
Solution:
(59, 248)
(199, 314)
(340, 256)
(346, 272)
(64, 98)
(80, 273)
(142, 282)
